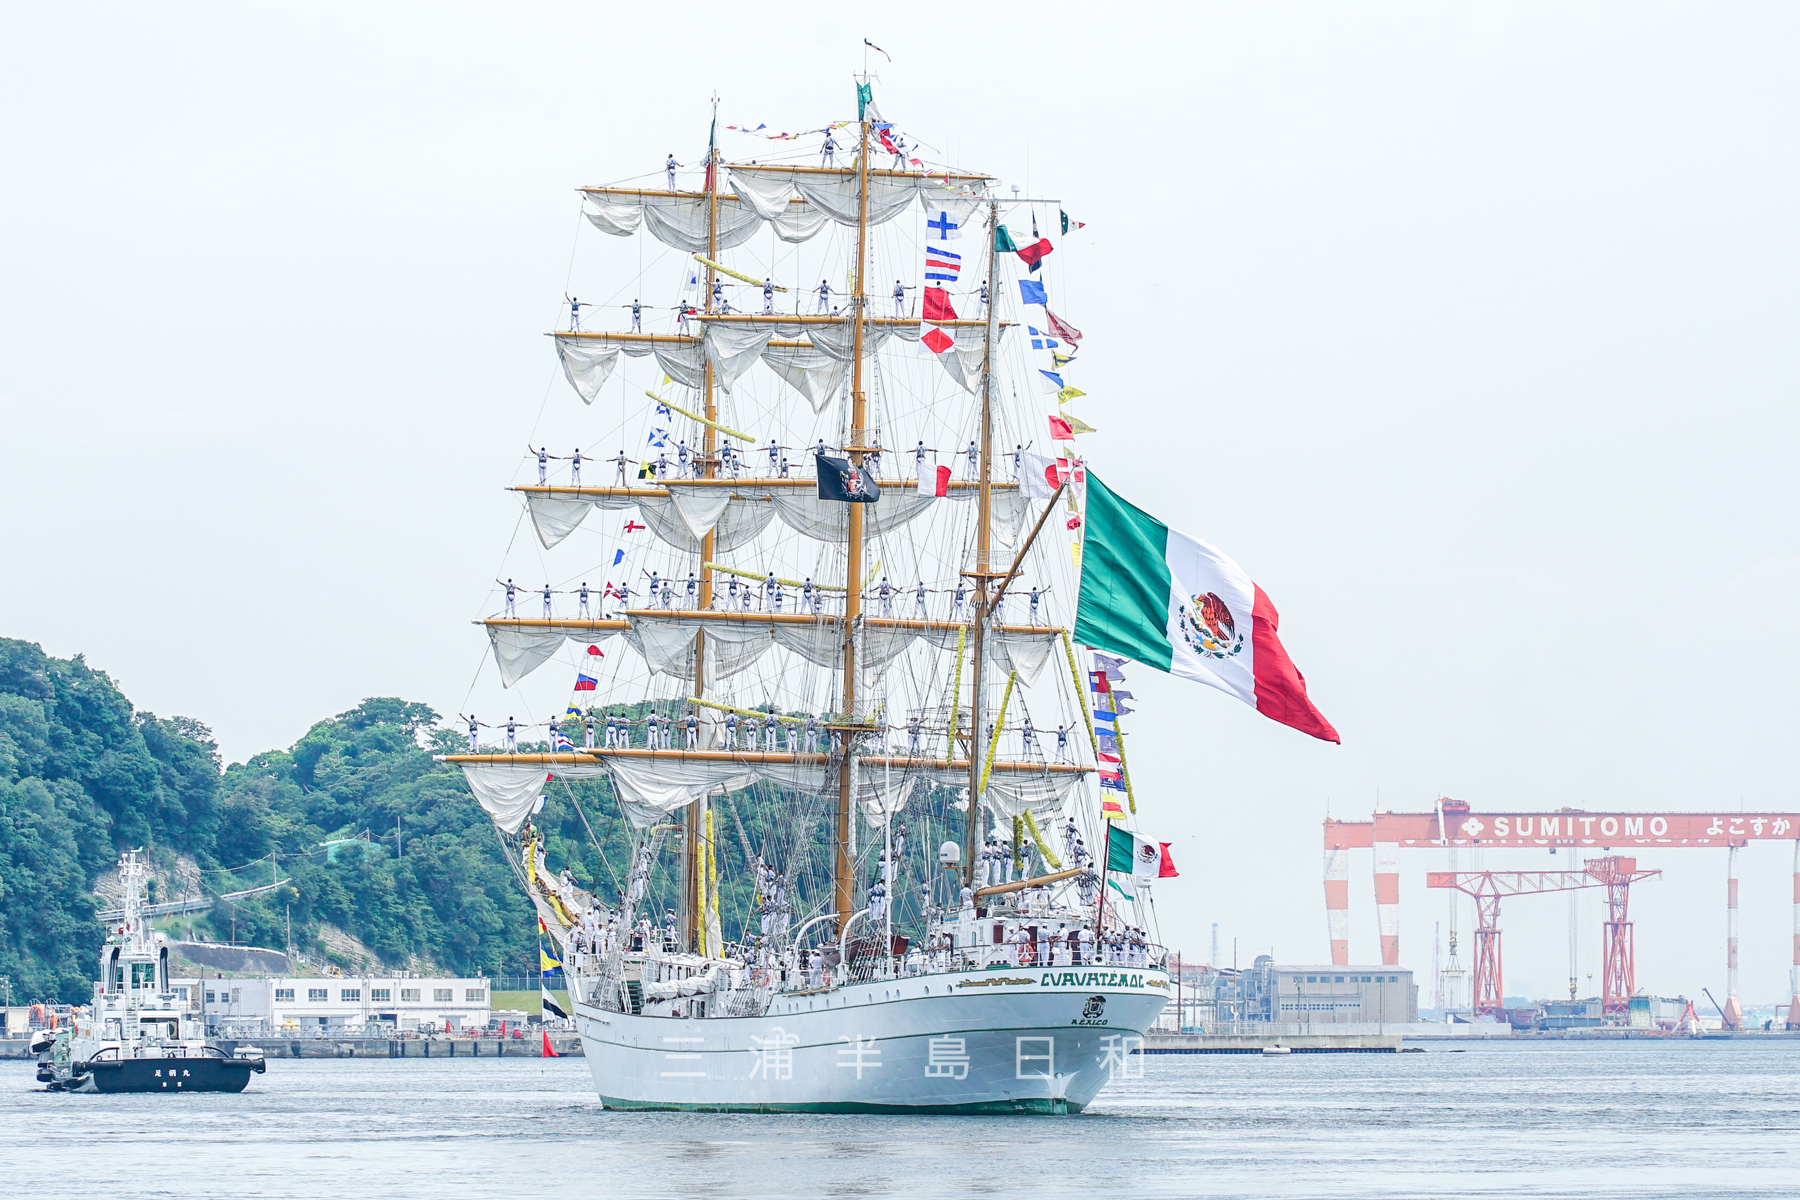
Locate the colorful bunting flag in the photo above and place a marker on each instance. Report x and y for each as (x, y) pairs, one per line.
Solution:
(1068, 394)
(1051, 382)
(1060, 327)
(586, 683)
(941, 263)
(937, 341)
(1003, 241)
(937, 305)
(1032, 292)
(1067, 224)
(1040, 340)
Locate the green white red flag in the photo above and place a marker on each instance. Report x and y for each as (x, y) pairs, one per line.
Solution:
(1174, 602)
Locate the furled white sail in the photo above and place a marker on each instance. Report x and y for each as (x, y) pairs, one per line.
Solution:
(521, 647)
(835, 193)
(674, 220)
(588, 358)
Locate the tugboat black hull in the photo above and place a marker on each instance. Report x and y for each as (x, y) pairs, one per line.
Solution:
(163, 1075)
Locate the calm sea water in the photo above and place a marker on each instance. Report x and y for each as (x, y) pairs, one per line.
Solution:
(1635, 1119)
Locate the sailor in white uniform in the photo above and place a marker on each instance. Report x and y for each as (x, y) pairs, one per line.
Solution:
(575, 307)
(637, 317)
(475, 728)
(919, 601)
(1037, 598)
(956, 603)
(812, 735)
(899, 299)
(974, 453)
(691, 725)
(670, 166)
(982, 312)
(731, 593)
(744, 600)
(681, 454)
(583, 610)
(543, 457)
(774, 455)
(575, 468)
(828, 152)
(1028, 738)
(1062, 744)
(885, 593)
(693, 591)
(620, 461)
(655, 582)
(824, 297)
(768, 296)
(512, 736)
(807, 603)
(914, 728)
(587, 732)
(546, 602)
(770, 724)
(731, 728)
(877, 901)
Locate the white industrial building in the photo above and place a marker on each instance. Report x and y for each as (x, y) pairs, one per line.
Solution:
(339, 1003)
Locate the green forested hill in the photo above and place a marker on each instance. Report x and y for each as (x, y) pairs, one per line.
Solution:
(83, 776)
(372, 836)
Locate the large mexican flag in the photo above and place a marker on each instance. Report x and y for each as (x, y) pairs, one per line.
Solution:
(1175, 603)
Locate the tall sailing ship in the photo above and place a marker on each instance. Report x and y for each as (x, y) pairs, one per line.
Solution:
(844, 583)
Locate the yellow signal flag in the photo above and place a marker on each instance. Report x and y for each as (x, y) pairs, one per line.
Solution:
(1077, 425)
(1067, 394)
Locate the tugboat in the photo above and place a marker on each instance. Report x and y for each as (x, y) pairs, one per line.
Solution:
(139, 1035)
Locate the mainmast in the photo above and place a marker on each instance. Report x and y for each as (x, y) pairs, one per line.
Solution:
(843, 872)
(694, 859)
(983, 524)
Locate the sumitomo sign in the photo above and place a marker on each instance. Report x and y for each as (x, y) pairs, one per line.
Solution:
(1601, 830)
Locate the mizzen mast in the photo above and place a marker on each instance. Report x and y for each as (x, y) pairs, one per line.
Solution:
(983, 549)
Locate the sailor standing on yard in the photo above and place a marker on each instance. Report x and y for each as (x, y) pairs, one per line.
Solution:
(768, 296)
(583, 610)
(512, 594)
(692, 725)
(671, 165)
(621, 460)
(512, 736)
(546, 602)
(731, 728)
(913, 729)
(475, 728)
(828, 152)
(824, 297)
(919, 601)
(769, 724)
(575, 468)
(974, 453)
(886, 594)
(637, 317)
(587, 733)
(543, 457)
(1062, 753)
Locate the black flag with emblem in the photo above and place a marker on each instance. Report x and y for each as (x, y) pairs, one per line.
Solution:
(840, 480)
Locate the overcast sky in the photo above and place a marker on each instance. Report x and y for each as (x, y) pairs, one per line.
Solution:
(1467, 330)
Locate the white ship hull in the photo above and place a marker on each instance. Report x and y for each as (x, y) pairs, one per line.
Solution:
(1029, 1039)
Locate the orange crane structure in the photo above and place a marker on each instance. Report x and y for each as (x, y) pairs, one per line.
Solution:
(1454, 825)
(1615, 874)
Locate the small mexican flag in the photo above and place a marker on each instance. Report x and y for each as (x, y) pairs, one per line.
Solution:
(1175, 603)
(1139, 859)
